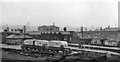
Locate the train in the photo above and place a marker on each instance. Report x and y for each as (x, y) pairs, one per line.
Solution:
(105, 42)
(31, 46)
(100, 42)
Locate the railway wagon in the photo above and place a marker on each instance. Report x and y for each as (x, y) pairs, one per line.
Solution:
(111, 43)
(105, 42)
(97, 42)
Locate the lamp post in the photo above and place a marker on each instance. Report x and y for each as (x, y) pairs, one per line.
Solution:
(119, 39)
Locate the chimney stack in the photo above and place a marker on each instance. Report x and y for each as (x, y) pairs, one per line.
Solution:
(82, 32)
(24, 28)
(7, 28)
(109, 27)
(101, 28)
(81, 29)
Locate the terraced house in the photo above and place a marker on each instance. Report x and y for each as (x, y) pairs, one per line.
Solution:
(112, 34)
(107, 33)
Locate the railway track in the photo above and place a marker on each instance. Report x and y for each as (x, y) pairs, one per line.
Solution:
(94, 47)
(73, 47)
(12, 56)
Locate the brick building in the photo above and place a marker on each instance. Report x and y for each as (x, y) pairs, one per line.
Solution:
(107, 33)
(51, 32)
(16, 39)
(60, 35)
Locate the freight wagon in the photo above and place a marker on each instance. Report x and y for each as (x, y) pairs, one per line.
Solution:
(105, 42)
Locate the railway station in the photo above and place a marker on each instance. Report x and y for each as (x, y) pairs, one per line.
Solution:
(58, 46)
(60, 31)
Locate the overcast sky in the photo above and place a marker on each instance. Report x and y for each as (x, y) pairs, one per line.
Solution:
(74, 13)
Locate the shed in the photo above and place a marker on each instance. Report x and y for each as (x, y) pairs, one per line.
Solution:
(16, 39)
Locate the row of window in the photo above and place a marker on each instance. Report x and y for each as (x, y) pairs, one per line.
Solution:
(48, 29)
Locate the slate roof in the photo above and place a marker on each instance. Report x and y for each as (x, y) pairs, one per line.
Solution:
(111, 29)
(65, 33)
(18, 36)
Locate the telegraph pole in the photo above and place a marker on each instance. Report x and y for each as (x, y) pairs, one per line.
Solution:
(24, 29)
(82, 38)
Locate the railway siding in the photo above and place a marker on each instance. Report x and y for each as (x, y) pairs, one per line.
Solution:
(73, 48)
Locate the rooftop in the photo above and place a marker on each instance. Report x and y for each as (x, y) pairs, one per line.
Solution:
(18, 36)
(111, 29)
(49, 26)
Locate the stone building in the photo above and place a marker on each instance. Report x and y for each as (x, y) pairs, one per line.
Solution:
(48, 28)
(60, 35)
(51, 32)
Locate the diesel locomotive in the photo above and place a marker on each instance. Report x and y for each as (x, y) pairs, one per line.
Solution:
(35, 46)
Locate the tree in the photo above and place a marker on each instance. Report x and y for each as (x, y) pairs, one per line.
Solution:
(65, 29)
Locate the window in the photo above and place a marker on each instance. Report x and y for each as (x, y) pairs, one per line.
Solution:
(50, 29)
(70, 39)
(47, 29)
